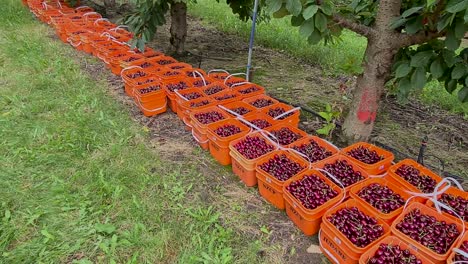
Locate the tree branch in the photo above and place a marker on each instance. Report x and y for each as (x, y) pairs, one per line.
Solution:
(405, 40)
(353, 26)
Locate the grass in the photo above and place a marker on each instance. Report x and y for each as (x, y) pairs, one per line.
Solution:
(78, 182)
(344, 57)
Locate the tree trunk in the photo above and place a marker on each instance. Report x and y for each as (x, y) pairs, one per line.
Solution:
(110, 8)
(370, 86)
(381, 48)
(178, 26)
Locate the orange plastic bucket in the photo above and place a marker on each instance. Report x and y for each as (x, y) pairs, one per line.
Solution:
(129, 60)
(309, 142)
(168, 74)
(453, 192)
(376, 168)
(308, 220)
(291, 118)
(218, 74)
(149, 92)
(260, 120)
(153, 107)
(219, 146)
(337, 244)
(339, 157)
(270, 187)
(451, 258)
(214, 88)
(186, 95)
(240, 108)
(387, 217)
(170, 86)
(181, 66)
(226, 97)
(164, 60)
(393, 176)
(194, 72)
(248, 89)
(231, 80)
(274, 130)
(394, 241)
(200, 82)
(260, 101)
(187, 107)
(243, 167)
(428, 253)
(199, 129)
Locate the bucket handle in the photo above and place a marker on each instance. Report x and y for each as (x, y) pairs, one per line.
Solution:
(195, 137)
(128, 68)
(268, 135)
(329, 254)
(100, 19)
(201, 76)
(218, 70)
(118, 27)
(138, 102)
(71, 43)
(287, 112)
(233, 74)
(239, 84)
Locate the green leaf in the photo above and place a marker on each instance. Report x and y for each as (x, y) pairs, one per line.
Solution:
(315, 37)
(463, 94)
(418, 78)
(294, 7)
(455, 6)
(458, 71)
(449, 57)
(325, 115)
(398, 23)
(404, 86)
(310, 11)
(297, 21)
(282, 12)
(140, 45)
(466, 81)
(402, 70)
(451, 41)
(328, 108)
(326, 8)
(105, 228)
(411, 11)
(414, 25)
(444, 22)
(451, 85)
(354, 4)
(274, 5)
(325, 130)
(460, 29)
(421, 59)
(321, 22)
(429, 3)
(307, 28)
(437, 69)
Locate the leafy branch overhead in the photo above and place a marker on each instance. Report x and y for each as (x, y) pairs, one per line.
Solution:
(426, 33)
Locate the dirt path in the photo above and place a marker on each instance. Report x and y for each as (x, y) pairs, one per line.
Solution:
(242, 209)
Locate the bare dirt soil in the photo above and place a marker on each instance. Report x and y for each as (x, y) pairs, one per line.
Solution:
(242, 209)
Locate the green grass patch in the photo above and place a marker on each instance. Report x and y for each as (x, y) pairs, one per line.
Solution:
(78, 182)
